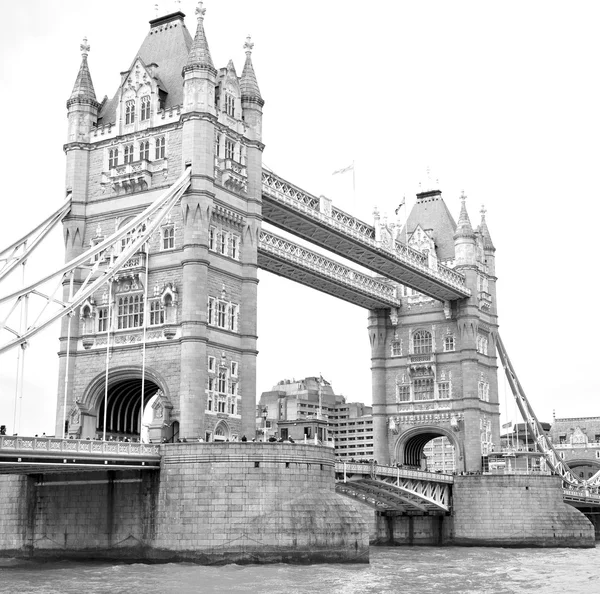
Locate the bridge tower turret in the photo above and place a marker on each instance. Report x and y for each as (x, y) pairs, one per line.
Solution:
(82, 114)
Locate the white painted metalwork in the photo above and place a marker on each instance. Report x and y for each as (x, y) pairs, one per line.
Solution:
(391, 488)
(139, 229)
(51, 445)
(20, 250)
(380, 294)
(545, 446)
(393, 259)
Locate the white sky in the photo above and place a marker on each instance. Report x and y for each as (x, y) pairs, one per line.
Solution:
(499, 99)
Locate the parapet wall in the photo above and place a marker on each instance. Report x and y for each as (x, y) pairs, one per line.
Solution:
(211, 503)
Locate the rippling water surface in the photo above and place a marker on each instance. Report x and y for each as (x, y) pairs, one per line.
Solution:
(410, 570)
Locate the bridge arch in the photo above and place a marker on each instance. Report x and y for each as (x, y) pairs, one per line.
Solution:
(410, 444)
(123, 400)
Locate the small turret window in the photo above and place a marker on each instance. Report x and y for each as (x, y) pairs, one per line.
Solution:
(129, 112)
(145, 108)
(113, 158)
(128, 154)
(449, 343)
(145, 150)
(229, 105)
(160, 148)
(168, 237)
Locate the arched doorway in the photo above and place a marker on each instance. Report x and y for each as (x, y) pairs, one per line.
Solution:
(123, 408)
(221, 432)
(429, 448)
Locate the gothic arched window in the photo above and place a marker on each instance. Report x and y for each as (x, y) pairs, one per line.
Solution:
(145, 108)
(129, 112)
(113, 158)
(160, 148)
(128, 154)
(421, 342)
(145, 150)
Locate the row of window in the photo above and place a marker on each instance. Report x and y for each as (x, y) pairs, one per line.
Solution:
(422, 344)
(143, 152)
(144, 110)
(223, 314)
(423, 389)
(224, 243)
(130, 313)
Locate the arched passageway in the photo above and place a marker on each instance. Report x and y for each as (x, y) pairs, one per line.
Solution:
(124, 404)
(429, 448)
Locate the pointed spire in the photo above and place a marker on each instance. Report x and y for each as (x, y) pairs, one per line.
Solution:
(485, 232)
(248, 83)
(83, 90)
(199, 56)
(463, 226)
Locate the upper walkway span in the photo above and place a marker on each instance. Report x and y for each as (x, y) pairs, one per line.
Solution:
(316, 220)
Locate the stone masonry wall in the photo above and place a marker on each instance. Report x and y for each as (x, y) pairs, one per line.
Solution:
(211, 503)
(263, 502)
(526, 511)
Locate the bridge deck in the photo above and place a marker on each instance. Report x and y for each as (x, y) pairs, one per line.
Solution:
(34, 455)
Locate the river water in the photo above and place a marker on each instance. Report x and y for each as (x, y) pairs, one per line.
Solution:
(410, 570)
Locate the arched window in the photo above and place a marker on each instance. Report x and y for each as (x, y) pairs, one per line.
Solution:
(113, 158)
(421, 342)
(129, 112)
(145, 150)
(222, 382)
(128, 154)
(168, 237)
(130, 312)
(229, 105)
(449, 343)
(160, 148)
(145, 108)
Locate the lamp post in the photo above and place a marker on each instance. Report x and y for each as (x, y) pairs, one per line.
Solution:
(264, 413)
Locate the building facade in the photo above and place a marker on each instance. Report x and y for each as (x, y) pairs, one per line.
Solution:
(195, 281)
(434, 363)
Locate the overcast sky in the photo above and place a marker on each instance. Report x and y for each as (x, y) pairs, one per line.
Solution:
(499, 99)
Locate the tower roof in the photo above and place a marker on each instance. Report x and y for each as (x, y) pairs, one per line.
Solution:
(463, 227)
(485, 232)
(199, 55)
(248, 82)
(431, 212)
(167, 45)
(83, 89)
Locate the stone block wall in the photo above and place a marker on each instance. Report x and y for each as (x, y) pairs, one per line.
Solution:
(525, 511)
(211, 503)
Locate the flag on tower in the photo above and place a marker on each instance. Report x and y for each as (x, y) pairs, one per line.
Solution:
(344, 169)
(401, 204)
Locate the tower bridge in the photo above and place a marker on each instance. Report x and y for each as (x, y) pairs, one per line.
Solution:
(157, 301)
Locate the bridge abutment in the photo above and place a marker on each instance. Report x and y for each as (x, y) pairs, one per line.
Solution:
(211, 503)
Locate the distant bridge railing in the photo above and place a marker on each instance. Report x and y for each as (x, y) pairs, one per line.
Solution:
(392, 471)
(51, 445)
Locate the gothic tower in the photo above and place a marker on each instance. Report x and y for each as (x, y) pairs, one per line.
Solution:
(178, 323)
(434, 363)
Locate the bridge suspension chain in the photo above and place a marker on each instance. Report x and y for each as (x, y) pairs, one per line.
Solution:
(551, 456)
(137, 232)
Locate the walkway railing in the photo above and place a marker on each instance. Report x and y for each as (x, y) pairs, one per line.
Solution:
(295, 198)
(392, 471)
(50, 445)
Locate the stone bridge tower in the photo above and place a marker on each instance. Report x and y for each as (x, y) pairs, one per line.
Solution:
(434, 364)
(196, 283)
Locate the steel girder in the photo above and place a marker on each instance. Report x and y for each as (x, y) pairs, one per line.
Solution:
(292, 261)
(295, 211)
(389, 488)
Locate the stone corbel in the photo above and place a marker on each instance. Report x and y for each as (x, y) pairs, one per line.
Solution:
(448, 310)
(395, 316)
